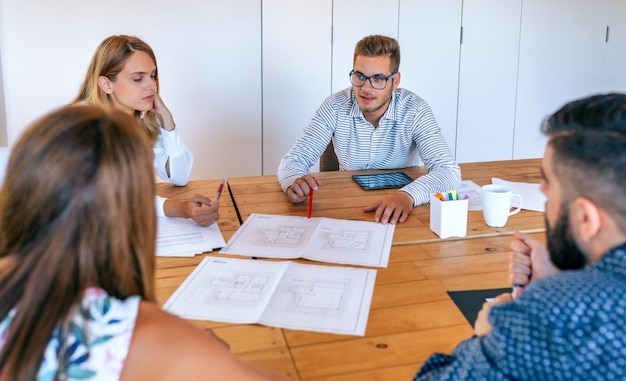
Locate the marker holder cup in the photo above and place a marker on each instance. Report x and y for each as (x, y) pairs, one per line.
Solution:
(448, 218)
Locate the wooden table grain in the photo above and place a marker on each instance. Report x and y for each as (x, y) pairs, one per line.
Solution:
(411, 314)
(340, 197)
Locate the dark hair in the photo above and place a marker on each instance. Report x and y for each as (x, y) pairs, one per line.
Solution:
(588, 138)
(77, 211)
(376, 46)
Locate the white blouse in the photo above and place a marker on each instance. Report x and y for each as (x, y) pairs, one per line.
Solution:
(169, 145)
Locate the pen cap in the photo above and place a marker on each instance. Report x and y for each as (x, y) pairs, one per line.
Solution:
(448, 218)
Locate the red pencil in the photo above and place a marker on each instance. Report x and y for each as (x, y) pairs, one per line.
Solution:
(219, 189)
(308, 213)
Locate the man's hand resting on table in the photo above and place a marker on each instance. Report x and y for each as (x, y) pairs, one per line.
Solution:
(392, 209)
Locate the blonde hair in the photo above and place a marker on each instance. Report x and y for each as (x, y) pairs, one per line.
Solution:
(77, 211)
(108, 61)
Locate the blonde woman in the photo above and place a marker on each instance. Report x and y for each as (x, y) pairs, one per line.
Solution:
(123, 74)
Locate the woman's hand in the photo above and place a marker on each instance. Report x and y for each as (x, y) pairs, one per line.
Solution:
(163, 113)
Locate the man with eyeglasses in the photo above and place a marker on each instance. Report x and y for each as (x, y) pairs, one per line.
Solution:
(374, 125)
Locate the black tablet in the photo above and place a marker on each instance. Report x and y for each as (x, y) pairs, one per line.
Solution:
(382, 180)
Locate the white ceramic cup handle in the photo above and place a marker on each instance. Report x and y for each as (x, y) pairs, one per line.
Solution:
(516, 210)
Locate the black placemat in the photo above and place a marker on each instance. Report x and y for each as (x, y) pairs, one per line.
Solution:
(470, 302)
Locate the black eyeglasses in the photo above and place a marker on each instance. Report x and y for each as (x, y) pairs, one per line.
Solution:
(378, 81)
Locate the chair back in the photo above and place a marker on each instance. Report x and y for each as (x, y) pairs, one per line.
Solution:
(328, 160)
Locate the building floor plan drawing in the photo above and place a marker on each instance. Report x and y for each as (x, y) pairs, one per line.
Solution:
(282, 235)
(280, 294)
(235, 287)
(318, 239)
(347, 240)
(315, 296)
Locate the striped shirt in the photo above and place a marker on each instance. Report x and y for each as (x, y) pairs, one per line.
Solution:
(407, 136)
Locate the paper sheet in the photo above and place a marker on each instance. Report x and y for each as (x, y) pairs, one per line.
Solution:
(532, 198)
(278, 294)
(181, 237)
(320, 239)
(473, 192)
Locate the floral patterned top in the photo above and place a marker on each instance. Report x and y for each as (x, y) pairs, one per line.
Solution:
(97, 339)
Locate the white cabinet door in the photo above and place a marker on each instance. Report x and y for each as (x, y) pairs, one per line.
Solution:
(429, 37)
(296, 71)
(353, 20)
(615, 59)
(215, 57)
(561, 57)
(487, 80)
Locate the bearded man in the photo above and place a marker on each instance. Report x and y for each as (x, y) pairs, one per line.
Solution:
(567, 318)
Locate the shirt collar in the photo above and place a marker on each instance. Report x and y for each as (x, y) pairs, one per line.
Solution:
(390, 113)
(613, 261)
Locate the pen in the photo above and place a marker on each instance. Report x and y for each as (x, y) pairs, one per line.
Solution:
(308, 213)
(219, 189)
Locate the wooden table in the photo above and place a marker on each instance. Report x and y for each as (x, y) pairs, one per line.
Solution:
(340, 197)
(411, 314)
(228, 221)
(167, 267)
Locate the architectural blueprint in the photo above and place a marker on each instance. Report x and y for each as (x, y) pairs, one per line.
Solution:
(318, 239)
(279, 294)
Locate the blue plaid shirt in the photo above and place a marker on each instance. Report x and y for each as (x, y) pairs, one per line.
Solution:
(570, 326)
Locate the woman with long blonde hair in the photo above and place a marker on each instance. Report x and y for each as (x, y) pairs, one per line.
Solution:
(123, 75)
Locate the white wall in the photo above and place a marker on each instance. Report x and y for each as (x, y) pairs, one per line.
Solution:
(561, 58)
(243, 77)
(429, 34)
(353, 20)
(208, 53)
(3, 118)
(488, 80)
(296, 71)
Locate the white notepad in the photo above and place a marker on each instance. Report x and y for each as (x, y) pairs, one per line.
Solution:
(182, 237)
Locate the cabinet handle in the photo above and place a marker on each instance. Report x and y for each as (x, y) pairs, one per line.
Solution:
(606, 39)
(461, 36)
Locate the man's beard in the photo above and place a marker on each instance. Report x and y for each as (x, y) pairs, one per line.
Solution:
(564, 252)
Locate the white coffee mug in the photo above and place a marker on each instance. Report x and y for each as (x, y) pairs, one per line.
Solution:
(497, 204)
